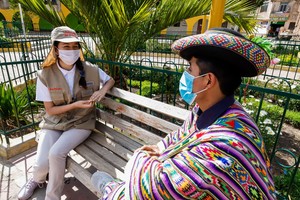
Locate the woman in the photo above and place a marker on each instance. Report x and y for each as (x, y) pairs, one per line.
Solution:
(218, 152)
(69, 88)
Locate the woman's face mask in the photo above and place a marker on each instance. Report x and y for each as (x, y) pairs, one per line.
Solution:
(69, 57)
(186, 87)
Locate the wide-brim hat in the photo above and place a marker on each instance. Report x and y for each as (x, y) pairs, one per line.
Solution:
(61, 34)
(226, 46)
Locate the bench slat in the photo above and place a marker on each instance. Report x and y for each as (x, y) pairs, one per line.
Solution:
(82, 175)
(132, 131)
(112, 146)
(140, 116)
(172, 111)
(117, 137)
(93, 158)
(104, 153)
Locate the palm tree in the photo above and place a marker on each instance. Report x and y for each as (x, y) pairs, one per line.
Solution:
(119, 27)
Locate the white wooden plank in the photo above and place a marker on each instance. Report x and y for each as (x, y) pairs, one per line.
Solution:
(130, 130)
(161, 107)
(116, 136)
(105, 154)
(112, 146)
(140, 116)
(81, 174)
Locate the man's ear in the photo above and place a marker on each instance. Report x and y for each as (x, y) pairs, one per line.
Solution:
(211, 81)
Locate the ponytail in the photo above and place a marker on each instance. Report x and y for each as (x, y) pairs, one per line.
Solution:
(79, 66)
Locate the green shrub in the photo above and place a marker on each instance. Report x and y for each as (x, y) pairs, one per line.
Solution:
(6, 104)
(133, 83)
(279, 85)
(284, 49)
(146, 89)
(294, 105)
(269, 118)
(156, 45)
(15, 107)
(288, 59)
(292, 117)
(282, 183)
(168, 82)
(6, 42)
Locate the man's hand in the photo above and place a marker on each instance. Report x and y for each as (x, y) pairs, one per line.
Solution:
(152, 150)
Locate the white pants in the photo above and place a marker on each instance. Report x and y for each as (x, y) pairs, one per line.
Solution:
(53, 148)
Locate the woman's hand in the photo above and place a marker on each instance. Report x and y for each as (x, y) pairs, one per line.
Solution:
(97, 96)
(152, 150)
(51, 109)
(83, 104)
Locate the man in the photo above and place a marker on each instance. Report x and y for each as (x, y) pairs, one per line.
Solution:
(218, 152)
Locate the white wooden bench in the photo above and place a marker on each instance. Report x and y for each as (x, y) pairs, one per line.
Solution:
(126, 121)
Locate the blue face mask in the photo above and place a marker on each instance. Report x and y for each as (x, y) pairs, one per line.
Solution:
(186, 87)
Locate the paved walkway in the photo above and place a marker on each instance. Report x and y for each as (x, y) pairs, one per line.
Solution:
(15, 171)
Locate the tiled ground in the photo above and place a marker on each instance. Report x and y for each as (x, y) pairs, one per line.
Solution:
(15, 171)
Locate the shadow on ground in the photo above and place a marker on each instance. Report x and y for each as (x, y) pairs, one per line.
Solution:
(15, 171)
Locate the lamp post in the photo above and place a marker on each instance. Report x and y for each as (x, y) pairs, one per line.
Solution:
(22, 21)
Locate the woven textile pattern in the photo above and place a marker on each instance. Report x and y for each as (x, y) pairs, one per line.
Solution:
(226, 160)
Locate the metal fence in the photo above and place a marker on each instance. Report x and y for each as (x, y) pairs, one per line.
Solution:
(272, 100)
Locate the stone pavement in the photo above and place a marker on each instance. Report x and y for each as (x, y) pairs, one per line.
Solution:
(15, 171)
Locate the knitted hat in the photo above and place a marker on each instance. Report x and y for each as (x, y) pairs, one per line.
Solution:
(228, 47)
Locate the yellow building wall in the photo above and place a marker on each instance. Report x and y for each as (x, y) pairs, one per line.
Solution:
(9, 13)
(191, 22)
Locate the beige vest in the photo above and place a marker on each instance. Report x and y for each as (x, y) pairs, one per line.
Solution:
(60, 94)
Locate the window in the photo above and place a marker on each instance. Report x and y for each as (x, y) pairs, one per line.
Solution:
(177, 24)
(53, 2)
(224, 24)
(283, 7)
(253, 12)
(292, 26)
(264, 7)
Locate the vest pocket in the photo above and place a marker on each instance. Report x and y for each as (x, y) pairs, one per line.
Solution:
(57, 97)
(52, 119)
(86, 93)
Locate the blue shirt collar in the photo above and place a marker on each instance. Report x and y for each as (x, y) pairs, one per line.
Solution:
(209, 116)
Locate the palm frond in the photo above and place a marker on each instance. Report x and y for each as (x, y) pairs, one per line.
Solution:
(237, 13)
(242, 21)
(119, 27)
(126, 23)
(46, 12)
(243, 5)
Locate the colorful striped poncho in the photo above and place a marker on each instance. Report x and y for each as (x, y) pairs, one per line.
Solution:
(226, 160)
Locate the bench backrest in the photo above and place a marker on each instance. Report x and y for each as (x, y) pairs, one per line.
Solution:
(141, 118)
